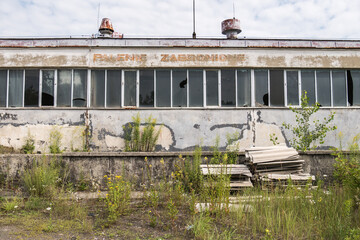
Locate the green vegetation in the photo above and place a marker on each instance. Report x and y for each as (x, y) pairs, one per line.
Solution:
(55, 141)
(29, 146)
(306, 134)
(141, 139)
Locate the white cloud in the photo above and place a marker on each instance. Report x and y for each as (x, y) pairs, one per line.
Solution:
(173, 18)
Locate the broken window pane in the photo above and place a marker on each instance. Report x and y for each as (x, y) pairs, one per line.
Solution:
(277, 88)
(353, 78)
(339, 88)
(212, 90)
(16, 88)
(308, 85)
(113, 88)
(179, 86)
(292, 82)
(196, 96)
(130, 88)
(3, 87)
(64, 88)
(261, 88)
(163, 88)
(323, 87)
(80, 88)
(146, 88)
(97, 88)
(47, 95)
(228, 88)
(32, 88)
(244, 88)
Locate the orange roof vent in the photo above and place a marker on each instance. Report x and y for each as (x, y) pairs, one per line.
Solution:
(106, 27)
(231, 28)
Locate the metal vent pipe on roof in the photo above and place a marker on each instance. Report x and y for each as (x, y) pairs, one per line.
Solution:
(106, 27)
(231, 28)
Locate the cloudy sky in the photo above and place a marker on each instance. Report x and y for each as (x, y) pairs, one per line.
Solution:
(320, 19)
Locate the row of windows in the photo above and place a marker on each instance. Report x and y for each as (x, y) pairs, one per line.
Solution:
(177, 87)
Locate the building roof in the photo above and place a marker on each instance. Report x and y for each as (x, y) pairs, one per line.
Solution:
(177, 42)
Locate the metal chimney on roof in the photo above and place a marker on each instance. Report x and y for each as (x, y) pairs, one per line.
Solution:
(231, 28)
(106, 29)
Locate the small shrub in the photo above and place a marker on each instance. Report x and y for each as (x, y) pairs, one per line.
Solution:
(55, 141)
(347, 167)
(188, 172)
(305, 133)
(118, 198)
(29, 146)
(11, 205)
(41, 179)
(139, 139)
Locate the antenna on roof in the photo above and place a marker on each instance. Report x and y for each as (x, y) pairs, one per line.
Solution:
(98, 16)
(194, 33)
(233, 9)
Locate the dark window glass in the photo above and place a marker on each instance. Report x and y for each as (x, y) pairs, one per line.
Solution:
(277, 88)
(339, 88)
(80, 88)
(146, 97)
(228, 88)
(196, 95)
(32, 88)
(130, 88)
(353, 78)
(64, 88)
(308, 85)
(163, 88)
(15, 88)
(179, 86)
(98, 88)
(261, 88)
(292, 82)
(244, 88)
(323, 87)
(212, 91)
(47, 95)
(113, 88)
(3, 87)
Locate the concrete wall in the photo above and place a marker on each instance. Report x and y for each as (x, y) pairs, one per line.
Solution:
(181, 129)
(91, 167)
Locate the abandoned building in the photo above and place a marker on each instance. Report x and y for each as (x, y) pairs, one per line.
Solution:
(196, 89)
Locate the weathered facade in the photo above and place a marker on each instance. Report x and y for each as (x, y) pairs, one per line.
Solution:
(197, 89)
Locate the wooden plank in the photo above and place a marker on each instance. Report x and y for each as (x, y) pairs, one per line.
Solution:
(241, 184)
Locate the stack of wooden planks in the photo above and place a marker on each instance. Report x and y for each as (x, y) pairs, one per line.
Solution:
(276, 164)
(240, 175)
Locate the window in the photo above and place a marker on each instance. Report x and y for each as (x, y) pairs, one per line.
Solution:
(244, 88)
(130, 88)
(179, 88)
(31, 88)
(3, 87)
(64, 88)
(353, 78)
(16, 88)
(146, 96)
(212, 90)
(277, 88)
(339, 88)
(163, 88)
(308, 84)
(196, 95)
(261, 88)
(98, 88)
(113, 88)
(292, 87)
(228, 88)
(48, 83)
(323, 87)
(80, 89)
